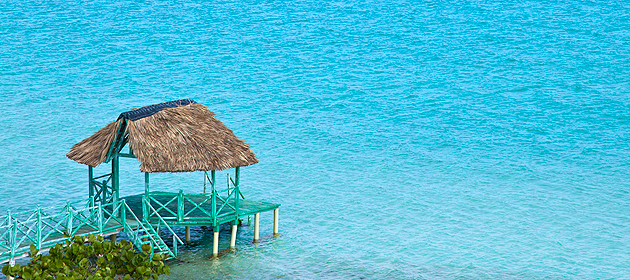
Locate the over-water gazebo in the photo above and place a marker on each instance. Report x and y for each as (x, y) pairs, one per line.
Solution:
(176, 136)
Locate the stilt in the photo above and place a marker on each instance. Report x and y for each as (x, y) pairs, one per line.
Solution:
(188, 234)
(256, 227)
(113, 238)
(275, 222)
(215, 244)
(233, 239)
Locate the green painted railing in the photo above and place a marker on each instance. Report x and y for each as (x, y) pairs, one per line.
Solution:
(145, 230)
(179, 208)
(45, 227)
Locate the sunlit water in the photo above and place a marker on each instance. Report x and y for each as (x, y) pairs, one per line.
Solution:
(404, 140)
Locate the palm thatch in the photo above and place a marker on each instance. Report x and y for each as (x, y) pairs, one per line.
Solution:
(169, 137)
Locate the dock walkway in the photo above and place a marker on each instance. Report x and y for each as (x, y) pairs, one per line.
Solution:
(138, 216)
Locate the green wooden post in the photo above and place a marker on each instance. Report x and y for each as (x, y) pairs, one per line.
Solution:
(146, 183)
(104, 192)
(180, 206)
(100, 217)
(39, 228)
(123, 213)
(174, 245)
(115, 180)
(145, 207)
(237, 195)
(12, 236)
(90, 180)
(70, 216)
(214, 200)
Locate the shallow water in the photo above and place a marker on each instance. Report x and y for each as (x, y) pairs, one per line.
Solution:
(404, 140)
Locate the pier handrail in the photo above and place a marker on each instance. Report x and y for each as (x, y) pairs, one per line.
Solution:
(154, 237)
(186, 205)
(144, 200)
(20, 229)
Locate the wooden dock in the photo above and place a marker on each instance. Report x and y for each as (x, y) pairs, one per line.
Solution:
(196, 209)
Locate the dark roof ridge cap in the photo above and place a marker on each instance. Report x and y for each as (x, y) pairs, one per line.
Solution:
(148, 111)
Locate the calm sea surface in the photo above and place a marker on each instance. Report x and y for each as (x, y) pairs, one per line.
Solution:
(404, 139)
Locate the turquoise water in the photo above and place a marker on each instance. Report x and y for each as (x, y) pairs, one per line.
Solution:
(405, 140)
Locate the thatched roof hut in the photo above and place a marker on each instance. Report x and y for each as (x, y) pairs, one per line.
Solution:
(176, 136)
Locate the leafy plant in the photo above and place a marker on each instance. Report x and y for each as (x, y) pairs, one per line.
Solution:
(91, 259)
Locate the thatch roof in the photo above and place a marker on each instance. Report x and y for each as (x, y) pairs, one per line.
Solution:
(176, 136)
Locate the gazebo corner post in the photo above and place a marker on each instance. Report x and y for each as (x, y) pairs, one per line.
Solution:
(91, 180)
(214, 199)
(145, 199)
(115, 182)
(237, 193)
(215, 226)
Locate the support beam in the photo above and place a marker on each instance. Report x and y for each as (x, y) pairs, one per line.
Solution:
(215, 244)
(275, 222)
(188, 234)
(113, 238)
(256, 227)
(233, 239)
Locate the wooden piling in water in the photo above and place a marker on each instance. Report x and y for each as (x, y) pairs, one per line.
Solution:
(215, 244)
(233, 239)
(256, 227)
(188, 234)
(275, 221)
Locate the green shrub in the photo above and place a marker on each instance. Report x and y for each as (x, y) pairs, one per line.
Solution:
(92, 259)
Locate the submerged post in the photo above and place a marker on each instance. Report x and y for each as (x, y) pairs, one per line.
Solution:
(215, 244)
(275, 222)
(233, 239)
(187, 234)
(256, 227)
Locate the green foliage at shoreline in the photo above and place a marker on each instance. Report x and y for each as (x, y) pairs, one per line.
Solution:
(91, 258)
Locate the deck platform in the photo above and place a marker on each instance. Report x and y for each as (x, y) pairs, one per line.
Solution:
(196, 209)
